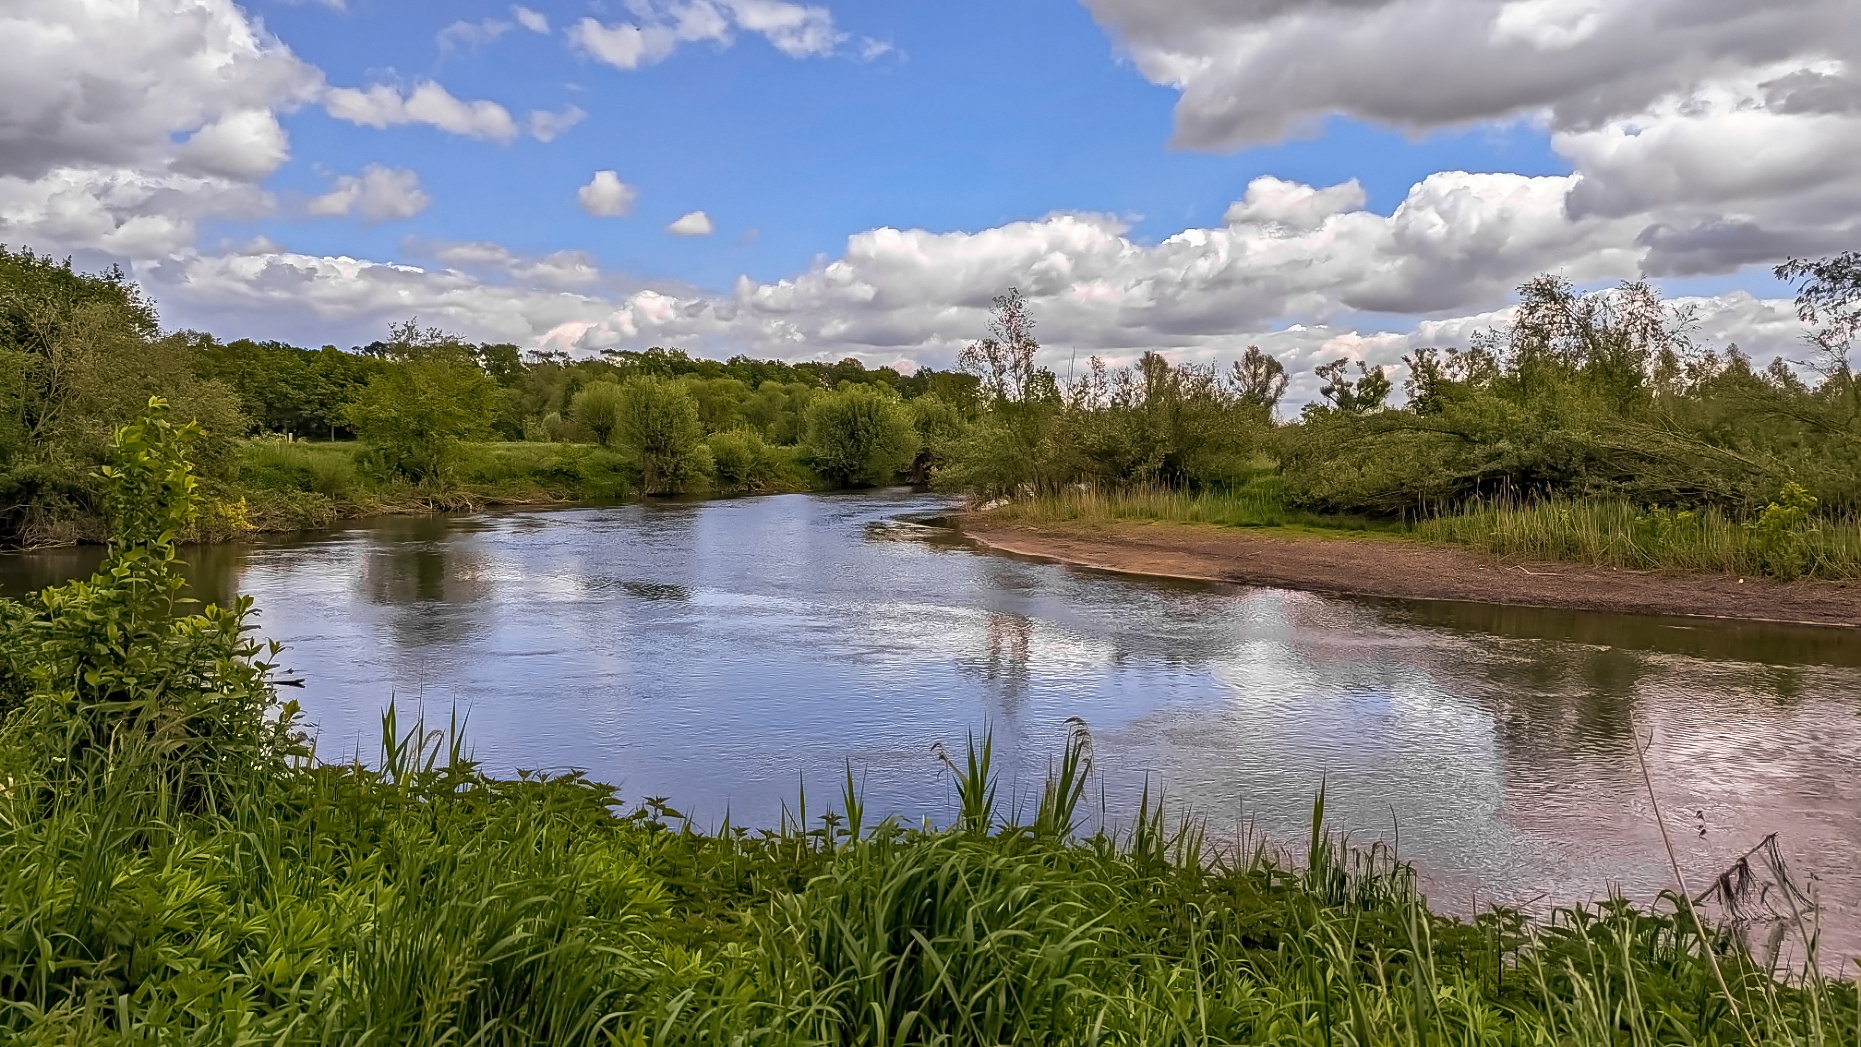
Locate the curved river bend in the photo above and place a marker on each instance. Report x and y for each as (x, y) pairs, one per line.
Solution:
(724, 653)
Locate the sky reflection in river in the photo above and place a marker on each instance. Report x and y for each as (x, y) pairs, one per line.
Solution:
(722, 653)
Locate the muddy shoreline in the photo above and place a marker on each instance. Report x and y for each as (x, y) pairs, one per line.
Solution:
(1350, 565)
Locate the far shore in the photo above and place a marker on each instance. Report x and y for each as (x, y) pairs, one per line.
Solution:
(1352, 564)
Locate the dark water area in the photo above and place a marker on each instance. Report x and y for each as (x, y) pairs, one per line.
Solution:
(725, 654)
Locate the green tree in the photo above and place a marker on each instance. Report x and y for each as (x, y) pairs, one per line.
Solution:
(1259, 381)
(597, 409)
(660, 429)
(859, 436)
(744, 461)
(417, 412)
(80, 355)
(940, 427)
(1014, 446)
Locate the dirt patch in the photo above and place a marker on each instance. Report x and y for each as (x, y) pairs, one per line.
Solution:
(1371, 566)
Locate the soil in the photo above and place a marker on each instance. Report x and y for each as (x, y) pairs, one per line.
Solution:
(1350, 565)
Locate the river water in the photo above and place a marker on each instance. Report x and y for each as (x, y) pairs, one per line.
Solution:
(727, 654)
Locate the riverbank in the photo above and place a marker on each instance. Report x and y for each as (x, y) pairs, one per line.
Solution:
(191, 872)
(1346, 563)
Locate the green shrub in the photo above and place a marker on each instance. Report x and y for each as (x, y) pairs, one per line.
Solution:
(744, 461)
(660, 431)
(859, 436)
(1781, 532)
(596, 409)
(415, 416)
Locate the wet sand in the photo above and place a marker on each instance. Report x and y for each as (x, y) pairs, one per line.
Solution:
(1353, 565)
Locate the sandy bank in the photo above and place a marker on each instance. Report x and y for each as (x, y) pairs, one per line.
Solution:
(1351, 565)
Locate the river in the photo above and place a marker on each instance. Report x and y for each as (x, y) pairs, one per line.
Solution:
(726, 654)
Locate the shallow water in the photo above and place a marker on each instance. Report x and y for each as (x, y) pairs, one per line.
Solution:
(722, 654)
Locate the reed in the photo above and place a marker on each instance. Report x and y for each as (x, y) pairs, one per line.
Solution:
(1597, 532)
(1618, 534)
(1258, 503)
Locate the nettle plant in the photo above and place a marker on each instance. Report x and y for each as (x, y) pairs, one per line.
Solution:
(1783, 532)
(107, 679)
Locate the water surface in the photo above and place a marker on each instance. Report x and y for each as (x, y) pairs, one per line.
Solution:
(725, 654)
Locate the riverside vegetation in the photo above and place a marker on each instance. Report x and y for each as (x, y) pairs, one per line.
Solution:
(297, 438)
(1590, 427)
(182, 868)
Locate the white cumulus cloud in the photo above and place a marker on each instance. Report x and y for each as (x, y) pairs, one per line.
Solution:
(1726, 131)
(1250, 72)
(1306, 272)
(546, 126)
(534, 21)
(797, 30)
(606, 196)
(122, 126)
(428, 103)
(697, 223)
(379, 194)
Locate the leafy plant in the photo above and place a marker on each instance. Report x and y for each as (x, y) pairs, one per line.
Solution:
(417, 415)
(859, 437)
(659, 428)
(1782, 531)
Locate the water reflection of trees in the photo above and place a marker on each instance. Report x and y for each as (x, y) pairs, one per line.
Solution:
(1567, 684)
(1549, 698)
(1007, 648)
(431, 575)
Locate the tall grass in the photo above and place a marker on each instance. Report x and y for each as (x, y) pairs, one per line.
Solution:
(284, 484)
(1259, 502)
(418, 901)
(1621, 535)
(1597, 532)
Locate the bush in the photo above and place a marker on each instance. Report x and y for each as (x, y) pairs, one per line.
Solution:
(940, 427)
(859, 436)
(416, 415)
(597, 410)
(659, 429)
(744, 461)
(104, 677)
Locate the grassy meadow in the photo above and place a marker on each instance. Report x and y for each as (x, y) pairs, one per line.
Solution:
(275, 484)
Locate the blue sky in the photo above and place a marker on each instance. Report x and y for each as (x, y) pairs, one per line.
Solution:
(980, 114)
(1188, 176)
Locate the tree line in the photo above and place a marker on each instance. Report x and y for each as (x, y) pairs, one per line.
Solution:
(1582, 394)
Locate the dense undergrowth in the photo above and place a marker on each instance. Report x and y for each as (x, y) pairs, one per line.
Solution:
(180, 868)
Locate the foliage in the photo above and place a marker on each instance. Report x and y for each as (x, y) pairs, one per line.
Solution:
(1347, 396)
(597, 410)
(79, 356)
(181, 870)
(859, 436)
(940, 426)
(105, 676)
(659, 428)
(1613, 533)
(1828, 295)
(416, 415)
(1583, 395)
(744, 461)
(284, 389)
(1783, 530)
